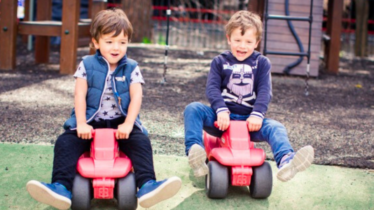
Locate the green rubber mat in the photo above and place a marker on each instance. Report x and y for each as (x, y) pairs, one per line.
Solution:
(319, 187)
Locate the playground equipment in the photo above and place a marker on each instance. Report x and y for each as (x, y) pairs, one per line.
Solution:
(109, 171)
(233, 158)
(302, 53)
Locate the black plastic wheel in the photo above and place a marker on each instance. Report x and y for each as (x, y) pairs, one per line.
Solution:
(217, 180)
(82, 193)
(261, 181)
(126, 192)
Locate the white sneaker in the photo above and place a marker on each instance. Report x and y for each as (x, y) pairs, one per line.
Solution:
(293, 163)
(196, 159)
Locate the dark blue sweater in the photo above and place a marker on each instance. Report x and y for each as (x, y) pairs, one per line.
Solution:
(241, 87)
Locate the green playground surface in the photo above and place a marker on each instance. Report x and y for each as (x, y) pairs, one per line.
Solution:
(319, 187)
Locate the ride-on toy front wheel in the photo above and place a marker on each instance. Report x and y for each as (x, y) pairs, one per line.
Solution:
(104, 173)
(261, 181)
(233, 159)
(82, 193)
(217, 180)
(126, 193)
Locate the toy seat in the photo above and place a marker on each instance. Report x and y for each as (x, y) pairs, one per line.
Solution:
(104, 163)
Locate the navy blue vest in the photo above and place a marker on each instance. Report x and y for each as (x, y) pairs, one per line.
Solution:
(97, 69)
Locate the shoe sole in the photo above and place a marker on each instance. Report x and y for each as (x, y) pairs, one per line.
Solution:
(301, 161)
(44, 195)
(167, 190)
(196, 160)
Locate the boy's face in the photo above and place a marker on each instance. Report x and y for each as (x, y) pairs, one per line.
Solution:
(112, 48)
(242, 46)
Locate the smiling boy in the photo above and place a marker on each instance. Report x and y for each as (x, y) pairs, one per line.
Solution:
(239, 88)
(108, 94)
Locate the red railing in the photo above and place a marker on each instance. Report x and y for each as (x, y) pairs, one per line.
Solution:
(217, 19)
(186, 18)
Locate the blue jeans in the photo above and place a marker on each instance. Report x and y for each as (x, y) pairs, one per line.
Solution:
(199, 117)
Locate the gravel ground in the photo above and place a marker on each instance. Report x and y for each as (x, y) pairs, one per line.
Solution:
(336, 118)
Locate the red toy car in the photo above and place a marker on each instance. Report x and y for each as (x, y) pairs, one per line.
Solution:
(234, 155)
(109, 171)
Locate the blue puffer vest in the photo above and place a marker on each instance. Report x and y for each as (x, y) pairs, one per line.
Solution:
(97, 69)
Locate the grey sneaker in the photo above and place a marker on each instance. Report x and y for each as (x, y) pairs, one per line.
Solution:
(196, 159)
(293, 163)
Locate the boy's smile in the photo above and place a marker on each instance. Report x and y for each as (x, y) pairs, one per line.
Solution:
(112, 48)
(242, 46)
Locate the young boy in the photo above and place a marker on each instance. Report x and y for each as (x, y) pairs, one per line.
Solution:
(239, 88)
(108, 94)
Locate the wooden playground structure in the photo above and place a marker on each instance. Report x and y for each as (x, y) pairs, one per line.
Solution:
(279, 38)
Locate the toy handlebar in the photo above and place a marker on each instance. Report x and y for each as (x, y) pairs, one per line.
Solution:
(93, 132)
(216, 123)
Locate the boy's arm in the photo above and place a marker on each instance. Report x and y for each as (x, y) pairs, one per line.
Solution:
(264, 89)
(136, 93)
(214, 95)
(264, 94)
(213, 88)
(83, 129)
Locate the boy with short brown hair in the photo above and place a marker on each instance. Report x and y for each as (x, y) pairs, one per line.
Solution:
(239, 88)
(108, 94)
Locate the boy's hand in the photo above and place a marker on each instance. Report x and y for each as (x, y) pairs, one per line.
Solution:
(124, 130)
(254, 123)
(84, 131)
(223, 120)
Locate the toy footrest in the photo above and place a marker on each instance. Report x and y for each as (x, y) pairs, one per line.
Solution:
(241, 176)
(103, 188)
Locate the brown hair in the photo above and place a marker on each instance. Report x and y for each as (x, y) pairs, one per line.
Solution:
(244, 20)
(109, 20)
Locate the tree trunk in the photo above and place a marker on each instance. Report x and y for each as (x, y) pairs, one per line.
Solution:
(362, 14)
(139, 13)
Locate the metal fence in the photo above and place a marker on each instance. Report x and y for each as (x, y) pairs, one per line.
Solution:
(195, 23)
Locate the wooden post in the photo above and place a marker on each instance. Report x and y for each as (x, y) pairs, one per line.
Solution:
(334, 27)
(95, 7)
(8, 32)
(69, 36)
(257, 6)
(26, 18)
(42, 44)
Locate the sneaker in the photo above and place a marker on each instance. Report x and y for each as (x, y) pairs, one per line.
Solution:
(153, 192)
(295, 162)
(54, 194)
(196, 159)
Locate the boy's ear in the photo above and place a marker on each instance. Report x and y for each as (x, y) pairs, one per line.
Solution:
(258, 41)
(96, 45)
(228, 39)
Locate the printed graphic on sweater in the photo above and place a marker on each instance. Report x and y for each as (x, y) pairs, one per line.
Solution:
(240, 85)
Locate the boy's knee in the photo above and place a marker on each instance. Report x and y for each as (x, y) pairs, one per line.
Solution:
(192, 107)
(274, 124)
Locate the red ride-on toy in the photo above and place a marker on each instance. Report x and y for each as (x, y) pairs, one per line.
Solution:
(234, 155)
(104, 173)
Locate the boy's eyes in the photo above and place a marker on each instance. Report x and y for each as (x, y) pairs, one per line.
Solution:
(110, 42)
(237, 40)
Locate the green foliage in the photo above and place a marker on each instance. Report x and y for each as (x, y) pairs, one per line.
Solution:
(146, 40)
